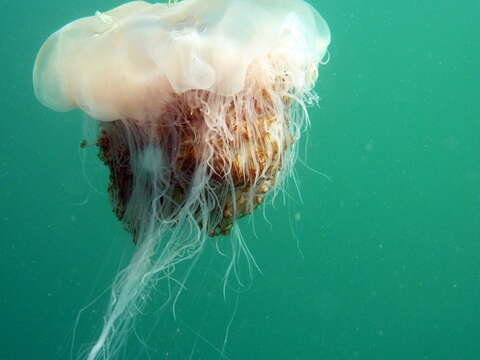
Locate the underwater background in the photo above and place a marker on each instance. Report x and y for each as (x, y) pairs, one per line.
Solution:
(376, 257)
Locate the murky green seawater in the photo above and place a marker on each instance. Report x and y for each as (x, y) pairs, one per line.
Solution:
(380, 261)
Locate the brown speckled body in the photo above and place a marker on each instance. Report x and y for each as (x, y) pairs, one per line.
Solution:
(243, 159)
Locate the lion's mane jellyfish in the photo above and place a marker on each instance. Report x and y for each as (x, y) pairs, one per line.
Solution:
(200, 104)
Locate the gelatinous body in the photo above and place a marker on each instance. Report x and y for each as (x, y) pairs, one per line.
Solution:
(200, 104)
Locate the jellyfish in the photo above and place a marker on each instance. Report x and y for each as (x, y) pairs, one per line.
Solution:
(200, 105)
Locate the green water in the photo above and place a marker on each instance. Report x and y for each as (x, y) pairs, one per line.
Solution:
(380, 261)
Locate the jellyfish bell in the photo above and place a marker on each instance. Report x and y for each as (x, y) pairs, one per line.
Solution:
(200, 104)
(115, 64)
